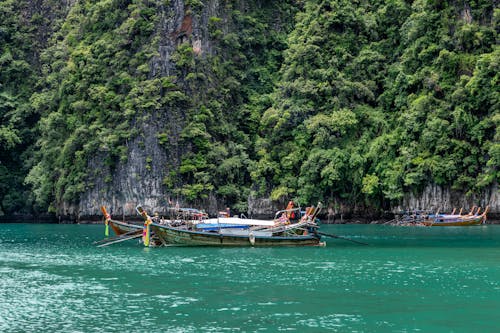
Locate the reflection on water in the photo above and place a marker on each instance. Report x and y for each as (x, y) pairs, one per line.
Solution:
(52, 278)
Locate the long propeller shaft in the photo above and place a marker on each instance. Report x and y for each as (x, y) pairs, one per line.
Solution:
(340, 237)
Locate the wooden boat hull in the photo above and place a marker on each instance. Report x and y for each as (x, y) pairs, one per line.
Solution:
(121, 228)
(455, 222)
(178, 236)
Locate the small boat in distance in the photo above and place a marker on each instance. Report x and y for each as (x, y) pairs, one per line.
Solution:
(451, 220)
(424, 218)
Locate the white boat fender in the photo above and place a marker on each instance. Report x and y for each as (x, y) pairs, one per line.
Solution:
(251, 238)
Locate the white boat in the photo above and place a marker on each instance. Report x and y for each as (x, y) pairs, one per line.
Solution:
(238, 221)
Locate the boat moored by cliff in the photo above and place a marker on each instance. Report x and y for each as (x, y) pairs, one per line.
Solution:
(451, 220)
(278, 233)
(423, 218)
(228, 237)
(123, 230)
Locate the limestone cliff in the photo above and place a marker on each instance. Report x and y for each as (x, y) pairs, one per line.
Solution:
(365, 106)
(139, 179)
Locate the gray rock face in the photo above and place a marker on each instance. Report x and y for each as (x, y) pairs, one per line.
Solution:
(139, 178)
(261, 207)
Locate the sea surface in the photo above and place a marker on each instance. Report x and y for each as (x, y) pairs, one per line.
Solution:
(408, 279)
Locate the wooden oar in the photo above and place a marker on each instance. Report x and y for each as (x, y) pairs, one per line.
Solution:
(117, 237)
(339, 237)
(120, 240)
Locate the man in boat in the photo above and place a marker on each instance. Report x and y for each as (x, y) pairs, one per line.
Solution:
(289, 207)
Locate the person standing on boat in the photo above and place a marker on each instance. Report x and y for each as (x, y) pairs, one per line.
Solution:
(290, 213)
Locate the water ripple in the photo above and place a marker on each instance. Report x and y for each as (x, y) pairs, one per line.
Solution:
(52, 279)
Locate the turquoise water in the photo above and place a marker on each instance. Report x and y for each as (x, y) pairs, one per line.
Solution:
(53, 279)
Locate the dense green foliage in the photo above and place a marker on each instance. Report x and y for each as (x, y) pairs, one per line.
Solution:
(24, 29)
(228, 91)
(96, 85)
(383, 97)
(349, 102)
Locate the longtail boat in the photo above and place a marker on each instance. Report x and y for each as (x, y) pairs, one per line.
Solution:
(180, 236)
(280, 233)
(123, 230)
(119, 227)
(451, 220)
(424, 218)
